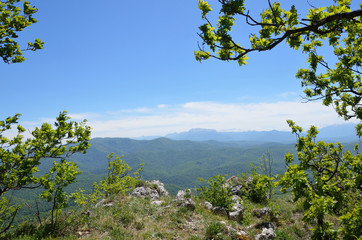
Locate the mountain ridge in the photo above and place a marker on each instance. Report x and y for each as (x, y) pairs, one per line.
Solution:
(333, 133)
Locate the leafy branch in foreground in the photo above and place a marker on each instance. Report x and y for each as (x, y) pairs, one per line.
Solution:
(15, 16)
(328, 181)
(336, 25)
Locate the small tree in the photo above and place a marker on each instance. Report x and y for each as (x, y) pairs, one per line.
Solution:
(61, 175)
(119, 178)
(19, 158)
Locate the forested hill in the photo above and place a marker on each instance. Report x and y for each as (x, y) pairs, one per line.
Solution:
(179, 164)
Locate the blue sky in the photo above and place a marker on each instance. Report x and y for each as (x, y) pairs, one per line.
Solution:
(128, 67)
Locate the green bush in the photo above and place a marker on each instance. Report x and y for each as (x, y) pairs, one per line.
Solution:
(256, 186)
(217, 192)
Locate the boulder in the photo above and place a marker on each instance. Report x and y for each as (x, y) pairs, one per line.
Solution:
(267, 234)
(160, 187)
(186, 202)
(236, 190)
(182, 194)
(265, 225)
(183, 199)
(207, 205)
(145, 192)
(232, 231)
(236, 213)
(261, 212)
(220, 211)
(236, 200)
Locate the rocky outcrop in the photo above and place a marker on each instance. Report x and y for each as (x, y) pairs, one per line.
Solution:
(265, 225)
(236, 213)
(182, 194)
(145, 192)
(232, 231)
(183, 199)
(187, 202)
(153, 189)
(207, 205)
(267, 233)
(160, 187)
(220, 211)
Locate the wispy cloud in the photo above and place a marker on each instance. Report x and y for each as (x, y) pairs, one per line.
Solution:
(164, 118)
(287, 95)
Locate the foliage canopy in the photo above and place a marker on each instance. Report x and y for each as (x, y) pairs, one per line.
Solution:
(336, 25)
(15, 16)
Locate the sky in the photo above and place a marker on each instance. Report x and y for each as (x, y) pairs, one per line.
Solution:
(128, 67)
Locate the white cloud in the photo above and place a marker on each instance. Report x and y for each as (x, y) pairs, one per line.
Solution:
(287, 94)
(161, 106)
(80, 116)
(164, 119)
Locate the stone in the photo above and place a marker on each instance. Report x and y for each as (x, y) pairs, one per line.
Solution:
(160, 187)
(261, 212)
(186, 202)
(237, 211)
(267, 234)
(265, 225)
(236, 215)
(145, 192)
(236, 200)
(182, 194)
(220, 211)
(183, 199)
(240, 234)
(236, 190)
(207, 205)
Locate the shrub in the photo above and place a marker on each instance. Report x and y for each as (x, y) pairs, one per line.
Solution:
(217, 193)
(256, 186)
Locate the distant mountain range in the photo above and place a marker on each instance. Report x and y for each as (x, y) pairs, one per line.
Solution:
(341, 133)
(177, 163)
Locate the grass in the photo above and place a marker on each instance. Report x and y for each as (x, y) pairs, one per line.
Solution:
(137, 218)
